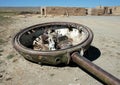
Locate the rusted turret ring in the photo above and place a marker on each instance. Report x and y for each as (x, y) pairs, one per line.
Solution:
(22, 42)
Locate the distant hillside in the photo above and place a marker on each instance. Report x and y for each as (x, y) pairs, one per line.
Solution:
(19, 9)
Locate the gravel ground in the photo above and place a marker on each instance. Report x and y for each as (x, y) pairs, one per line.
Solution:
(15, 70)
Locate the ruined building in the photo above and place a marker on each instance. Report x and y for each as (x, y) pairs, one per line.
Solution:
(77, 11)
(116, 10)
(104, 11)
(67, 11)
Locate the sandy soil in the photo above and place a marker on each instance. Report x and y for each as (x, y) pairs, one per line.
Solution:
(15, 70)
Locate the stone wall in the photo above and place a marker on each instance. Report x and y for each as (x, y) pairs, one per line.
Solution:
(77, 11)
(97, 11)
(106, 11)
(68, 11)
(116, 10)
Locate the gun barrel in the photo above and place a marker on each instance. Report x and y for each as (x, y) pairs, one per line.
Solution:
(101, 74)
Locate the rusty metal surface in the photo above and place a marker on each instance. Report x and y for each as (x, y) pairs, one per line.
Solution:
(26, 35)
(94, 69)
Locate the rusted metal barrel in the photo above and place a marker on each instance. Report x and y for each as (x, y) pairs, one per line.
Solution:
(106, 77)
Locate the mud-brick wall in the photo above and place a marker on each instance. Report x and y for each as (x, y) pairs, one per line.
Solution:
(72, 11)
(97, 11)
(77, 11)
(55, 11)
(116, 10)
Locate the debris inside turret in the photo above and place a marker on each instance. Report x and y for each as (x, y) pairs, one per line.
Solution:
(56, 39)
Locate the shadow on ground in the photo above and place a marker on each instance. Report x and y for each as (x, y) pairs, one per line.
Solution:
(91, 54)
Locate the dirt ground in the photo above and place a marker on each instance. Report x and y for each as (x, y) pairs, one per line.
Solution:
(104, 52)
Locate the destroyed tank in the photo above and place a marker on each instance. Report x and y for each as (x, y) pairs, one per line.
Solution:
(35, 42)
(56, 43)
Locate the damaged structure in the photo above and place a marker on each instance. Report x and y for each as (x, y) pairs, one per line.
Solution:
(78, 11)
(100, 10)
(65, 11)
